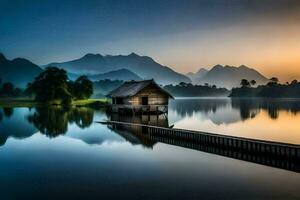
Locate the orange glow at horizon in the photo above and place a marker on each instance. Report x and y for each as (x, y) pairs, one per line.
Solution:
(272, 49)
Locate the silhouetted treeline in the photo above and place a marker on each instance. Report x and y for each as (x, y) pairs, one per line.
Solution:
(190, 90)
(271, 90)
(8, 89)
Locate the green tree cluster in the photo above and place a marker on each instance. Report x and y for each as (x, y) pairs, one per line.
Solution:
(81, 88)
(53, 84)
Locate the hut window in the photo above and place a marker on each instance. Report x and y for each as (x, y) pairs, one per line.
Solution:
(145, 101)
(119, 100)
(113, 100)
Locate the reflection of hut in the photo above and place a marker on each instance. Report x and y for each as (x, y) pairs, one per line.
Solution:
(137, 134)
(153, 120)
(140, 97)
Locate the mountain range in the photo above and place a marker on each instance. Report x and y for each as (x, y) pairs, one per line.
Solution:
(131, 67)
(18, 71)
(120, 74)
(143, 66)
(227, 76)
(199, 74)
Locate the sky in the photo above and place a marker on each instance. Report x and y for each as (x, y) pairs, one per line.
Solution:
(185, 35)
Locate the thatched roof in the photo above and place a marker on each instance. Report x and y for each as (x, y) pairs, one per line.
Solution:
(131, 88)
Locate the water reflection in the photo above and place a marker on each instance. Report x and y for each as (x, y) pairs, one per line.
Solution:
(21, 123)
(54, 121)
(13, 124)
(137, 135)
(8, 112)
(270, 119)
(152, 120)
(96, 161)
(247, 108)
(270, 154)
(265, 119)
(77, 123)
(186, 107)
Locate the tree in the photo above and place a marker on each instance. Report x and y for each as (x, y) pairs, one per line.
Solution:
(82, 88)
(8, 112)
(253, 82)
(8, 89)
(294, 82)
(245, 83)
(17, 92)
(274, 80)
(50, 85)
(182, 84)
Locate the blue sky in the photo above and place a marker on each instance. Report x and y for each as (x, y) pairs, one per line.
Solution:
(185, 35)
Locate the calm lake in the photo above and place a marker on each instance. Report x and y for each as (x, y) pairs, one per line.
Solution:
(56, 153)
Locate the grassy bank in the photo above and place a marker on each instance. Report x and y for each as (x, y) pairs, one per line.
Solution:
(103, 102)
(18, 102)
(24, 102)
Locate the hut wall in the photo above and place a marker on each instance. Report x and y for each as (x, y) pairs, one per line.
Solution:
(154, 94)
(127, 101)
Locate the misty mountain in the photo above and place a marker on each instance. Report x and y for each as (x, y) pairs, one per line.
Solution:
(144, 66)
(19, 71)
(230, 76)
(121, 74)
(198, 75)
(103, 87)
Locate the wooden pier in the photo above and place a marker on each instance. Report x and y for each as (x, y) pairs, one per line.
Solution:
(275, 154)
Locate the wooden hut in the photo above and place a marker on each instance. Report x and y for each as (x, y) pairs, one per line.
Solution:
(144, 97)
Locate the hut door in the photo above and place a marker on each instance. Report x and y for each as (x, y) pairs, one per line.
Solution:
(144, 100)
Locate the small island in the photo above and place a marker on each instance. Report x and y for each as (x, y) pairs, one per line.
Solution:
(273, 89)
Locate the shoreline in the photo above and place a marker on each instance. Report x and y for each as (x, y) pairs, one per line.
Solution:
(23, 102)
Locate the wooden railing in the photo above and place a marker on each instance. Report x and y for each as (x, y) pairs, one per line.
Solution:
(276, 154)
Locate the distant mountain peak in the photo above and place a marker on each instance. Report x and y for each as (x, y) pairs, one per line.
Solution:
(143, 66)
(230, 76)
(2, 58)
(119, 74)
(218, 66)
(19, 71)
(133, 55)
(201, 70)
(244, 67)
(92, 56)
(22, 61)
(199, 74)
